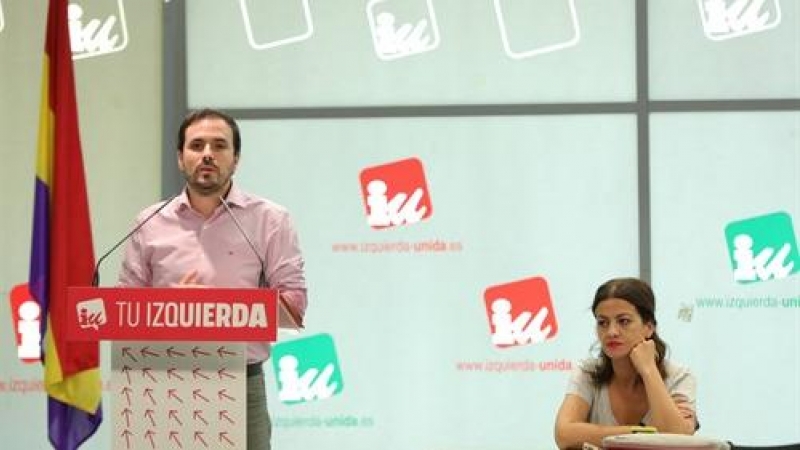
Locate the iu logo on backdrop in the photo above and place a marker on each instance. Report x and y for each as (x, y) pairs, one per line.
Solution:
(402, 28)
(520, 313)
(396, 193)
(725, 19)
(762, 248)
(307, 369)
(97, 30)
(26, 321)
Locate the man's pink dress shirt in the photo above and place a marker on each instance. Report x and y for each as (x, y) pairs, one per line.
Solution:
(178, 240)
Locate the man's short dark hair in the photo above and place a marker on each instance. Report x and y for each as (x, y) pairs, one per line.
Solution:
(206, 113)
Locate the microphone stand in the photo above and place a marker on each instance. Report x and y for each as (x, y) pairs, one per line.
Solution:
(96, 273)
(293, 317)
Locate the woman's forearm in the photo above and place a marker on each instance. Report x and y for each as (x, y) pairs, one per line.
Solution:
(573, 435)
(664, 412)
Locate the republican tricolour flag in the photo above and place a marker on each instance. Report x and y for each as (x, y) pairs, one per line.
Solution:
(61, 253)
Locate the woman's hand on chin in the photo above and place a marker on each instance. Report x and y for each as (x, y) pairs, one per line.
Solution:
(644, 357)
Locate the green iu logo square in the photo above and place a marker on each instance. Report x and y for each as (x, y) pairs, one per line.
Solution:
(762, 248)
(307, 369)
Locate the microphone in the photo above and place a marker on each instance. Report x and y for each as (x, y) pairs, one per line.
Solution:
(262, 274)
(295, 320)
(96, 273)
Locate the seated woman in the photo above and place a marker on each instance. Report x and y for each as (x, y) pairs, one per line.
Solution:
(630, 384)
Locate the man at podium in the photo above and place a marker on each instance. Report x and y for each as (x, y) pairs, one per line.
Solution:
(215, 234)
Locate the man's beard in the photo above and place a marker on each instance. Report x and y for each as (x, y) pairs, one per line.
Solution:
(207, 188)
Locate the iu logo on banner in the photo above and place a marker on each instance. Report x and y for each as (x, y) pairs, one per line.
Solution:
(26, 321)
(307, 369)
(97, 29)
(725, 19)
(396, 193)
(762, 248)
(520, 313)
(402, 28)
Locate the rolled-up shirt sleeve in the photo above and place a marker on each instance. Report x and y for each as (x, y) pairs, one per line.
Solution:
(286, 265)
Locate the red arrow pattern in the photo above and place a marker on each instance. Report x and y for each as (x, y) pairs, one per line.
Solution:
(126, 434)
(223, 352)
(149, 436)
(127, 414)
(173, 414)
(198, 415)
(126, 391)
(198, 394)
(223, 394)
(175, 437)
(127, 371)
(223, 373)
(223, 415)
(198, 437)
(145, 352)
(172, 353)
(172, 372)
(148, 372)
(197, 373)
(127, 351)
(223, 437)
(197, 351)
(148, 392)
(173, 393)
(178, 402)
(149, 414)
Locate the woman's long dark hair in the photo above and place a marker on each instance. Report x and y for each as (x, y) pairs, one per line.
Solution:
(639, 294)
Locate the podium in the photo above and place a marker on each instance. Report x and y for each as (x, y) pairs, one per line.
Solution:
(178, 377)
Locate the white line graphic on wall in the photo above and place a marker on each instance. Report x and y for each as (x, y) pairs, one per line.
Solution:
(92, 34)
(400, 30)
(725, 19)
(307, 28)
(549, 43)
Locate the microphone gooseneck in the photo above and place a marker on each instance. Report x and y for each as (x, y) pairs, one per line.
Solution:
(292, 316)
(96, 273)
(262, 275)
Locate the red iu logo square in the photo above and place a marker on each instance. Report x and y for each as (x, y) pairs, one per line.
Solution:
(395, 193)
(520, 312)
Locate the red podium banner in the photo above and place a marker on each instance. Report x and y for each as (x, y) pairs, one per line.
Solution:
(174, 314)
